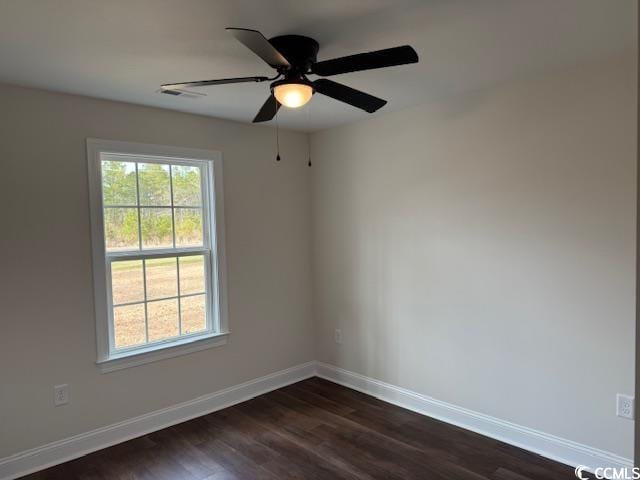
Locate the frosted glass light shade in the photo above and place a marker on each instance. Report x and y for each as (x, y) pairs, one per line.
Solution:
(293, 95)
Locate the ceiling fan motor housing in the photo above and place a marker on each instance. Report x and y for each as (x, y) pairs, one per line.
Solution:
(300, 51)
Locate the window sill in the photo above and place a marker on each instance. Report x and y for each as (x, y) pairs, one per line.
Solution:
(161, 352)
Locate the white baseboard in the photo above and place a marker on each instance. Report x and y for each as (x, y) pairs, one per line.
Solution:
(67, 449)
(544, 444)
(550, 446)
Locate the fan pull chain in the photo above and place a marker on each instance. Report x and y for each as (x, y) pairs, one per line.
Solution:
(308, 136)
(277, 135)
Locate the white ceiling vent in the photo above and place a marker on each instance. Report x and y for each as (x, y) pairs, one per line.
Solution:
(181, 93)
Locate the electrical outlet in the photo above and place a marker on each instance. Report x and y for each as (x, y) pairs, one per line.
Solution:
(625, 406)
(60, 395)
(337, 336)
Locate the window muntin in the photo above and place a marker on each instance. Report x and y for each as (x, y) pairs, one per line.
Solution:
(159, 260)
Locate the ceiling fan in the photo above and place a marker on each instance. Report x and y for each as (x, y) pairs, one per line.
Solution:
(294, 57)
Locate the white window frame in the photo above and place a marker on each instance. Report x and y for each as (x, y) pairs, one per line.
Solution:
(210, 161)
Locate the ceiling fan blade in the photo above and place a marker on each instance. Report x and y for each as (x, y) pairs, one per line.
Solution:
(349, 95)
(366, 61)
(258, 44)
(268, 110)
(205, 83)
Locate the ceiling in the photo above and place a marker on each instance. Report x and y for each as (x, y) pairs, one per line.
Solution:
(124, 49)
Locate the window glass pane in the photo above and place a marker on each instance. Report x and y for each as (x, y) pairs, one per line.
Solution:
(192, 274)
(163, 319)
(162, 278)
(186, 186)
(188, 227)
(155, 185)
(150, 206)
(128, 325)
(157, 229)
(126, 282)
(119, 183)
(121, 229)
(194, 317)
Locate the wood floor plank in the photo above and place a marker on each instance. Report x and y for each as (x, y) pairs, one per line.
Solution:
(301, 442)
(311, 430)
(427, 434)
(380, 447)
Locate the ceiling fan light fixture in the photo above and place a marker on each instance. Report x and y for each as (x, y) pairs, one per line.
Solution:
(293, 94)
(294, 57)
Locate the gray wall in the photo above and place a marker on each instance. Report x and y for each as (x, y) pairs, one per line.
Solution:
(45, 283)
(482, 250)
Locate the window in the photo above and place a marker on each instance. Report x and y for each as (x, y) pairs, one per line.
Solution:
(158, 259)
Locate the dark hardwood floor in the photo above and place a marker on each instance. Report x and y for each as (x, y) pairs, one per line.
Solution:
(313, 429)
